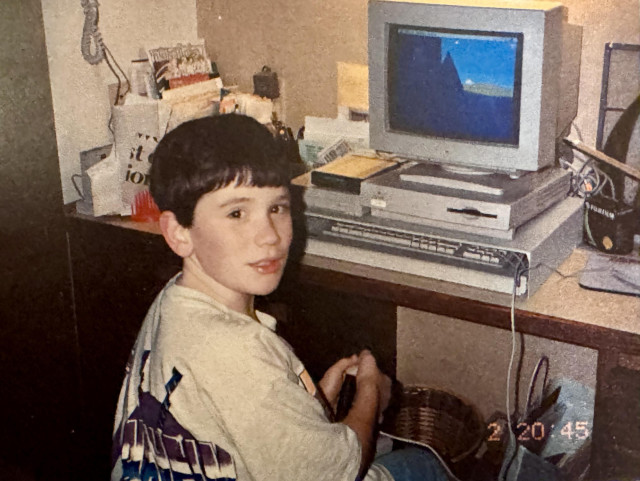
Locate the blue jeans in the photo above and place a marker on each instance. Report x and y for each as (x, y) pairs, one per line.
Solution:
(412, 464)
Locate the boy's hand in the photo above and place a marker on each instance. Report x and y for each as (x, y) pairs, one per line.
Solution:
(368, 372)
(373, 391)
(331, 382)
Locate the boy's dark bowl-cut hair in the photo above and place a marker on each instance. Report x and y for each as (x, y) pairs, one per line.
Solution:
(203, 155)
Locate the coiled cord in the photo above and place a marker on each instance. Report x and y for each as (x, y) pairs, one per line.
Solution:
(91, 37)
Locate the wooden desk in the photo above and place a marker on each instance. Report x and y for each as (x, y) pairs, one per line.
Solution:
(560, 310)
(316, 290)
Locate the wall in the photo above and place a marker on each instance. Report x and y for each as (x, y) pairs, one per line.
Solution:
(303, 40)
(79, 90)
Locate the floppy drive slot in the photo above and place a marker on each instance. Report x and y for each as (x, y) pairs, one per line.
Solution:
(470, 211)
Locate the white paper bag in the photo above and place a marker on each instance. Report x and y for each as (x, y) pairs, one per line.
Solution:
(137, 130)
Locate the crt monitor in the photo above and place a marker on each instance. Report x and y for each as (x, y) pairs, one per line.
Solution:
(484, 85)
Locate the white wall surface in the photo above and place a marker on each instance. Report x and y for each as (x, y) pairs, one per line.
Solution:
(80, 90)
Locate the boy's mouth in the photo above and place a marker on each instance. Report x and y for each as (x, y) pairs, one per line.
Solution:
(268, 266)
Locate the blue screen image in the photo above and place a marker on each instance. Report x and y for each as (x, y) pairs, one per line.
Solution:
(455, 84)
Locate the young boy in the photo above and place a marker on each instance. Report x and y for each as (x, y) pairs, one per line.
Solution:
(211, 391)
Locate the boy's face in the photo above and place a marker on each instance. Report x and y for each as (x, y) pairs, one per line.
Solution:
(240, 240)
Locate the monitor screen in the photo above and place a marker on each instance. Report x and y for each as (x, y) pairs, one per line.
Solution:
(456, 84)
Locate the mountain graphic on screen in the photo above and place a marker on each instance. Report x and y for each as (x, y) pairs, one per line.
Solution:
(426, 96)
(488, 89)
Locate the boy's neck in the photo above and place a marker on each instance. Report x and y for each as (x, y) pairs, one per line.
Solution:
(198, 280)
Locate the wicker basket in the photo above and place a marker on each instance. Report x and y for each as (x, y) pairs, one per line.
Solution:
(437, 418)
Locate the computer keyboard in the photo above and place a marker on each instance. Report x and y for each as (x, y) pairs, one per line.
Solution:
(415, 244)
(397, 246)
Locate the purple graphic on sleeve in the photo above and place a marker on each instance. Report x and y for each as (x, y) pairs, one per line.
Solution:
(155, 447)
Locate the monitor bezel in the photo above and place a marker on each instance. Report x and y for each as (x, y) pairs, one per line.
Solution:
(541, 29)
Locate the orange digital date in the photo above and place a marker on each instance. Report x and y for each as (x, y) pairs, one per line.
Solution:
(578, 430)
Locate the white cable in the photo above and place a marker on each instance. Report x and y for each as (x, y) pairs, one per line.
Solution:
(512, 438)
(584, 174)
(587, 229)
(611, 184)
(424, 445)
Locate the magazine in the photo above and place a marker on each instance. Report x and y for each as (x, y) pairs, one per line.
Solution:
(180, 65)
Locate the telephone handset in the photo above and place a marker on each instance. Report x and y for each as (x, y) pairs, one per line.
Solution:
(90, 34)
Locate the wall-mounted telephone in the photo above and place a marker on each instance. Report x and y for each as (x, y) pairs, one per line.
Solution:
(90, 34)
(94, 49)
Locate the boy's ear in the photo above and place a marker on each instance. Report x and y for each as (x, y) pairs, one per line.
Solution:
(177, 236)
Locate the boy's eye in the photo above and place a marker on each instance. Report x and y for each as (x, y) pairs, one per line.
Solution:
(280, 209)
(235, 214)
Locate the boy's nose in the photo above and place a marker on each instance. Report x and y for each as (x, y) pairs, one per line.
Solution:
(267, 232)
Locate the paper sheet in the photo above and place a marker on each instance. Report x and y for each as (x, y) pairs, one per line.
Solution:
(353, 86)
